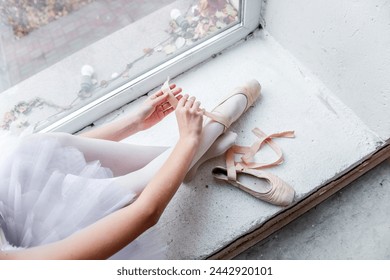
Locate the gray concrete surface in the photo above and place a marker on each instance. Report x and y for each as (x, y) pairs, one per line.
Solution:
(352, 224)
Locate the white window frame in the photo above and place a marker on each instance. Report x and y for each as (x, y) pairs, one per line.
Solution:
(250, 20)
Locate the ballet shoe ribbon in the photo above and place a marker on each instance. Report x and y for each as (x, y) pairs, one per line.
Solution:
(172, 100)
(230, 160)
(171, 97)
(265, 139)
(248, 153)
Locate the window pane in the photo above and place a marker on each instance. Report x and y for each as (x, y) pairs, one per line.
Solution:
(58, 56)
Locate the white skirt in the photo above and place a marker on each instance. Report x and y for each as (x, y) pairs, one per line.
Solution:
(49, 191)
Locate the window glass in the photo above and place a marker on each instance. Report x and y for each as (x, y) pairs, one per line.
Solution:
(56, 57)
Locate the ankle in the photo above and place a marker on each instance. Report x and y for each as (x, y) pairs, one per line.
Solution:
(189, 141)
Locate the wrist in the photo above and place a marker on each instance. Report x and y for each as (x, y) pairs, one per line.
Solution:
(133, 123)
(188, 146)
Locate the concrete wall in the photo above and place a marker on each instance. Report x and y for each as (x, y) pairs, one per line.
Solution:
(346, 44)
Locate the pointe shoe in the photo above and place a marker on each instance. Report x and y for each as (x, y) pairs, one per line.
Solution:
(251, 90)
(276, 191)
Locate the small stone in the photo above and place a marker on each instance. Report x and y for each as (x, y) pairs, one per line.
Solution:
(103, 83)
(114, 75)
(180, 42)
(213, 29)
(9, 116)
(220, 24)
(220, 14)
(148, 51)
(169, 49)
(231, 11)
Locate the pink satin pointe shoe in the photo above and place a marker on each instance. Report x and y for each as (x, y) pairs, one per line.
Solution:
(269, 188)
(247, 176)
(251, 90)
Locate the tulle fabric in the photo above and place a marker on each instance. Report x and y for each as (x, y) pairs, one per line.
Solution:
(49, 191)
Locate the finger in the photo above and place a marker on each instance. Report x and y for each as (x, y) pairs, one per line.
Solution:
(171, 86)
(165, 106)
(190, 102)
(176, 91)
(156, 101)
(196, 106)
(154, 96)
(168, 111)
(165, 96)
(157, 95)
(183, 100)
(160, 92)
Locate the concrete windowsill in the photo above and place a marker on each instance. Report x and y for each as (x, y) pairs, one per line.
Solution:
(330, 139)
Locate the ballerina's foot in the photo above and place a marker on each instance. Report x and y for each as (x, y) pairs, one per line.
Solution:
(238, 102)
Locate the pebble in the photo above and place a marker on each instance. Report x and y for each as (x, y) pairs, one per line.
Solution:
(180, 42)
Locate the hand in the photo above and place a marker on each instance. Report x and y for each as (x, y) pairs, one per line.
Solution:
(156, 107)
(189, 118)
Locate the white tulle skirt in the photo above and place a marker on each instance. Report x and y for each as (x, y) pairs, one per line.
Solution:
(48, 191)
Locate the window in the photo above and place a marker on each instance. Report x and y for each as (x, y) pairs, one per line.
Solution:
(116, 51)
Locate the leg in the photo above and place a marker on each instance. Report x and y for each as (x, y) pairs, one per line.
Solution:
(109, 153)
(137, 181)
(219, 147)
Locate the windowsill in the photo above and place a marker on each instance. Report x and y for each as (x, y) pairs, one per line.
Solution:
(330, 140)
